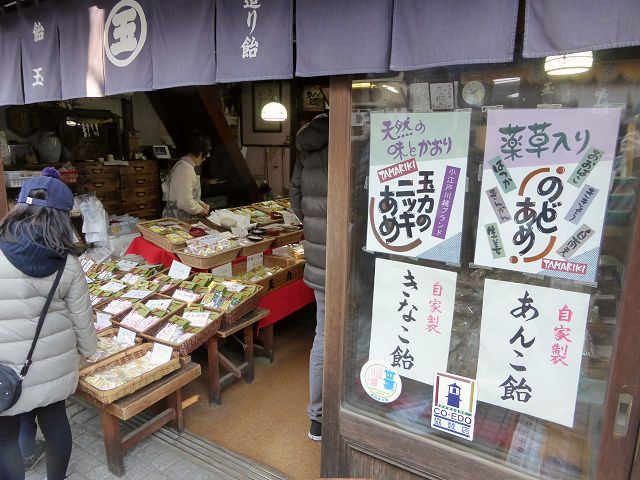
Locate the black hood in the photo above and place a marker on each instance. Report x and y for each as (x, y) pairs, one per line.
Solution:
(315, 135)
(32, 258)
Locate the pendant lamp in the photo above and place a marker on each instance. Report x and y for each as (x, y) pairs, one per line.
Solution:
(569, 64)
(274, 112)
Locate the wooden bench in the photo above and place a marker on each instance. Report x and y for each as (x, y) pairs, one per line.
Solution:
(169, 387)
(215, 358)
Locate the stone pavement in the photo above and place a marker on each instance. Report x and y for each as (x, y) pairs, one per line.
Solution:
(166, 455)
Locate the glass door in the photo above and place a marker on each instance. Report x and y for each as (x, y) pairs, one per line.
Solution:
(490, 218)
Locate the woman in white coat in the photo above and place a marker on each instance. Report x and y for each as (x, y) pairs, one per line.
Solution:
(183, 189)
(36, 240)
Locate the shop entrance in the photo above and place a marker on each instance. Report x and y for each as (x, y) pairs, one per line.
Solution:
(372, 438)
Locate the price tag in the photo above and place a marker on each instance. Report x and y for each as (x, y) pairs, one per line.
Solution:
(126, 337)
(185, 296)
(160, 353)
(197, 319)
(233, 286)
(179, 270)
(87, 264)
(127, 265)
(223, 270)
(112, 287)
(103, 320)
(254, 261)
(137, 294)
(158, 304)
(289, 217)
(88, 280)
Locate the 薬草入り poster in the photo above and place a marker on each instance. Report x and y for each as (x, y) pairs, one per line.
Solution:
(545, 183)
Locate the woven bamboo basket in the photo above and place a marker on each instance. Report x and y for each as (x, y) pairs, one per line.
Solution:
(206, 263)
(232, 315)
(107, 332)
(110, 396)
(189, 345)
(287, 238)
(159, 240)
(256, 247)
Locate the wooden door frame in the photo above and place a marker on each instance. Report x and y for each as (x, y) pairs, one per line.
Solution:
(345, 429)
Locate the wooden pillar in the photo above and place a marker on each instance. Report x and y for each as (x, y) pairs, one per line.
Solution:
(338, 219)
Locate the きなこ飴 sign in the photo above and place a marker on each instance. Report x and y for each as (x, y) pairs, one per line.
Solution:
(417, 175)
(411, 318)
(545, 180)
(531, 342)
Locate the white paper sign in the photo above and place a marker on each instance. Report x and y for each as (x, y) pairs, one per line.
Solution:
(113, 287)
(531, 342)
(179, 270)
(289, 218)
(160, 353)
(87, 264)
(454, 405)
(233, 286)
(417, 175)
(126, 265)
(224, 271)
(103, 320)
(88, 280)
(158, 304)
(126, 337)
(254, 261)
(185, 296)
(545, 184)
(411, 318)
(197, 319)
(137, 294)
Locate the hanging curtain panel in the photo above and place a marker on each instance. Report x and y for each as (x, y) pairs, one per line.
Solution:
(555, 27)
(336, 37)
(452, 32)
(40, 53)
(127, 46)
(254, 40)
(81, 49)
(10, 73)
(183, 43)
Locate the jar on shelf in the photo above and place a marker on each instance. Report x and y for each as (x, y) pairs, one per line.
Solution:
(50, 147)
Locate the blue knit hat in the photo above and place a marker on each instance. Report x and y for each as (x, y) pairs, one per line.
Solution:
(59, 196)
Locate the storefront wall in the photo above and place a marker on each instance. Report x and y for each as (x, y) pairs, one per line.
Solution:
(582, 425)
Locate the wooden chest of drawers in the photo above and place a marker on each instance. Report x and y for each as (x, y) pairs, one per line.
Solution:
(132, 189)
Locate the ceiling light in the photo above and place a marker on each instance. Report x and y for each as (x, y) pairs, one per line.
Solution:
(500, 81)
(274, 112)
(391, 89)
(362, 85)
(569, 64)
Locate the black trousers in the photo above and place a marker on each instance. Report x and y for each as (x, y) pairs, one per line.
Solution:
(57, 434)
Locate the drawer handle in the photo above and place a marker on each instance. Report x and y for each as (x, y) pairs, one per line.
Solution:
(138, 169)
(142, 206)
(141, 181)
(97, 170)
(141, 194)
(98, 184)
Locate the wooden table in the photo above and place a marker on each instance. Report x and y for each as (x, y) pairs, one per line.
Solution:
(168, 387)
(216, 358)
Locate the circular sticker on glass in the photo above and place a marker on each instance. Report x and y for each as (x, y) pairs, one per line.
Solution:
(381, 381)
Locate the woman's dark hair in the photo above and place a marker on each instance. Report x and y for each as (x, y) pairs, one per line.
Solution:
(195, 143)
(45, 226)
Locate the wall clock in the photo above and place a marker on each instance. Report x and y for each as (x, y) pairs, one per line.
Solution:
(473, 92)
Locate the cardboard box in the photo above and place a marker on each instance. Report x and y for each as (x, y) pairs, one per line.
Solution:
(293, 270)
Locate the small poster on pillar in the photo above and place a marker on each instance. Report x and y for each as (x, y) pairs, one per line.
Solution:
(545, 185)
(530, 355)
(417, 182)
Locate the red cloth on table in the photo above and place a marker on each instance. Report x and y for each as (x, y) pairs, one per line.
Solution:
(281, 302)
(284, 301)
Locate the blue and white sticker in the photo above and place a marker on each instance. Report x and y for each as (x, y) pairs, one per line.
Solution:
(381, 381)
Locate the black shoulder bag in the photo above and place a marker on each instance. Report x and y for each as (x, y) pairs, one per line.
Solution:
(10, 381)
